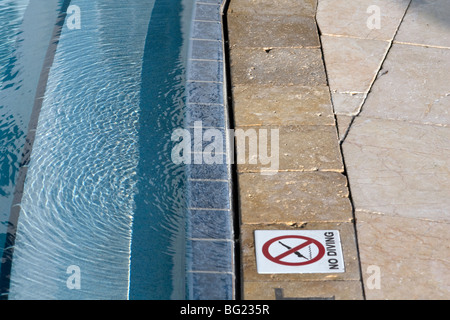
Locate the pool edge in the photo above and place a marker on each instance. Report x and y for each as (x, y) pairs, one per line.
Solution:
(211, 257)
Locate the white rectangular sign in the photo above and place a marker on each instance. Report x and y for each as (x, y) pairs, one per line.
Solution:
(298, 251)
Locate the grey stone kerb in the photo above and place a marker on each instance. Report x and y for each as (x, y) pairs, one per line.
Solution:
(210, 236)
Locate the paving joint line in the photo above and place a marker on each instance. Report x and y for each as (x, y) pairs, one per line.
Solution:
(352, 37)
(420, 45)
(384, 214)
(345, 173)
(342, 140)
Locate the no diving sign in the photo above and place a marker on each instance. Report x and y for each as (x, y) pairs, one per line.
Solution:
(298, 251)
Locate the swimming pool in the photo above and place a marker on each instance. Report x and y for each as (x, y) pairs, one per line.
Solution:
(101, 210)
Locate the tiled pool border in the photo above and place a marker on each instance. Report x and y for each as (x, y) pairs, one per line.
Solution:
(210, 222)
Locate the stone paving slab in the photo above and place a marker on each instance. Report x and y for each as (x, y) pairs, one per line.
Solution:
(348, 103)
(301, 148)
(420, 76)
(397, 148)
(349, 18)
(282, 105)
(256, 30)
(411, 254)
(298, 290)
(426, 23)
(352, 65)
(340, 285)
(348, 243)
(399, 168)
(343, 123)
(278, 7)
(278, 82)
(279, 66)
(294, 197)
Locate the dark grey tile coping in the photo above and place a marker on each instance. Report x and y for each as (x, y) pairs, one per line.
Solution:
(210, 224)
(207, 30)
(207, 12)
(212, 286)
(206, 70)
(211, 256)
(209, 194)
(210, 232)
(219, 2)
(210, 136)
(208, 171)
(204, 92)
(206, 50)
(210, 115)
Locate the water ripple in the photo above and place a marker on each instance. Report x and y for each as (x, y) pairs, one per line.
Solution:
(78, 201)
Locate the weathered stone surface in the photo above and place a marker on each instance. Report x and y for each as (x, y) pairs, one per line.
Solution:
(294, 197)
(411, 254)
(414, 87)
(343, 124)
(301, 148)
(308, 290)
(397, 151)
(269, 31)
(347, 103)
(278, 7)
(347, 235)
(427, 23)
(294, 105)
(279, 66)
(399, 168)
(352, 64)
(350, 18)
(279, 83)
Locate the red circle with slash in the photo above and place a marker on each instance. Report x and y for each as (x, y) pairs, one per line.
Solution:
(288, 252)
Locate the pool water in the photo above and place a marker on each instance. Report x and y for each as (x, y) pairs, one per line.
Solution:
(101, 193)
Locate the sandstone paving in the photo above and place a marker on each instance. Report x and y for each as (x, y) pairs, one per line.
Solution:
(410, 255)
(397, 149)
(352, 65)
(348, 103)
(279, 66)
(256, 30)
(343, 123)
(278, 7)
(300, 148)
(294, 197)
(354, 51)
(339, 285)
(302, 290)
(349, 18)
(279, 84)
(426, 23)
(399, 168)
(282, 105)
(414, 86)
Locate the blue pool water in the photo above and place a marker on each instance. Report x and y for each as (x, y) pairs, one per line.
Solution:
(22, 52)
(101, 192)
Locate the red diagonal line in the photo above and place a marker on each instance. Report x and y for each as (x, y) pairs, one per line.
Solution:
(281, 256)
